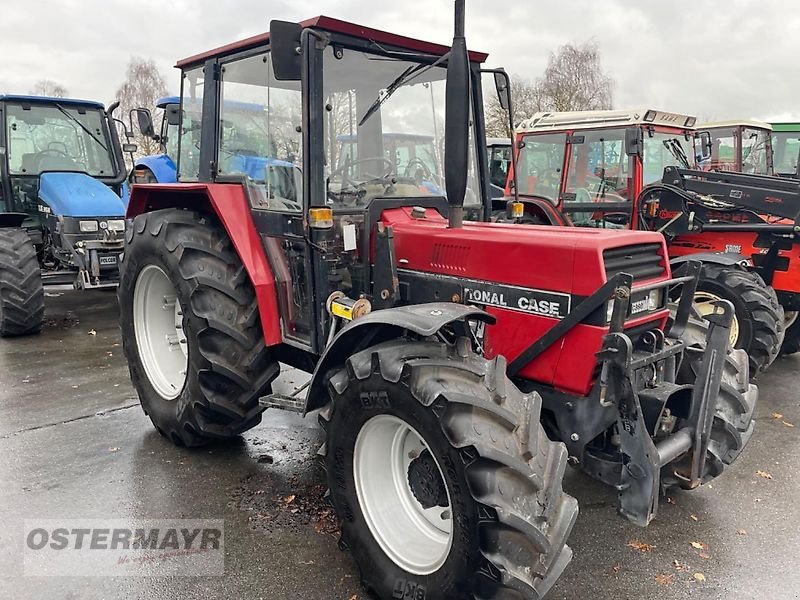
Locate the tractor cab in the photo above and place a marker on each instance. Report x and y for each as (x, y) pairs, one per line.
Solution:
(63, 178)
(587, 168)
(739, 146)
(786, 148)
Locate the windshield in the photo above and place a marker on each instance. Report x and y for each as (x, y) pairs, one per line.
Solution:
(539, 165)
(754, 151)
(394, 141)
(664, 150)
(598, 167)
(723, 150)
(786, 147)
(44, 137)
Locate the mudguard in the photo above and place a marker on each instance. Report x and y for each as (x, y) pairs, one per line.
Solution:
(719, 258)
(382, 325)
(79, 195)
(161, 166)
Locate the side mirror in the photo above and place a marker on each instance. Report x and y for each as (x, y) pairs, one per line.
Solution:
(284, 44)
(706, 144)
(173, 114)
(634, 141)
(145, 122)
(503, 86)
(130, 148)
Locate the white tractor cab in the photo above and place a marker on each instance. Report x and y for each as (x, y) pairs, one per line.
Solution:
(499, 154)
(742, 146)
(786, 148)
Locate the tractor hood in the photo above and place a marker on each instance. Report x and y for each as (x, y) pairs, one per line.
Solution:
(79, 195)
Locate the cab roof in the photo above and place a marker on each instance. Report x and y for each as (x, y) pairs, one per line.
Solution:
(591, 119)
(50, 100)
(736, 123)
(334, 26)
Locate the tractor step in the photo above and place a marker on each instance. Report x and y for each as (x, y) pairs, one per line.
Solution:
(283, 402)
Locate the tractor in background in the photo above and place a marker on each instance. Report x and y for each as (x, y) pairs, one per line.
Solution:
(436, 366)
(62, 207)
(590, 169)
(786, 149)
(499, 155)
(738, 146)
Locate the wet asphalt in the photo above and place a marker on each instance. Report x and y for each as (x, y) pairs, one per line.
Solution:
(75, 444)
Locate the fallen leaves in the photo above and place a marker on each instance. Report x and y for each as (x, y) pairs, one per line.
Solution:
(616, 568)
(776, 415)
(694, 518)
(679, 566)
(764, 474)
(742, 532)
(787, 424)
(114, 449)
(699, 577)
(92, 332)
(664, 579)
(670, 500)
(698, 545)
(640, 546)
(779, 417)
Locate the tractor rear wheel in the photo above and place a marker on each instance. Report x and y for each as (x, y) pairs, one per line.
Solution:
(733, 419)
(758, 326)
(21, 292)
(791, 341)
(444, 482)
(191, 329)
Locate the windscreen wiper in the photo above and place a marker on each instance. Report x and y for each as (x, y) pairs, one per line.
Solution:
(677, 151)
(81, 125)
(410, 73)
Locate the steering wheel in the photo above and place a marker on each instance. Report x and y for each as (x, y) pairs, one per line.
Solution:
(420, 166)
(388, 168)
(53, 152)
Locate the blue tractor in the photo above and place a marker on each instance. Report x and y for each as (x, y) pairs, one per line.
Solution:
(62, 213)
(246, 146)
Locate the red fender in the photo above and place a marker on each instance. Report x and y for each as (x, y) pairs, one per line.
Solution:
(229, 203)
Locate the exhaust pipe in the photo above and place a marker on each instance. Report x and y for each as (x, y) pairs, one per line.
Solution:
(456, 124)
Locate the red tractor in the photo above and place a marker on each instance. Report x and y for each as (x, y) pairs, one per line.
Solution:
(596, 168)
(434, 364)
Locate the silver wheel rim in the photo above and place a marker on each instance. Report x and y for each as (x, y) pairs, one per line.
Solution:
(160, 338)
(704, 301)
(416, 539)
(790, 317)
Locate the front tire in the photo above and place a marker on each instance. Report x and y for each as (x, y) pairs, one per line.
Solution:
(21, 292)
(454, 454)
(733, 419)
(758, 317)
(191, 329)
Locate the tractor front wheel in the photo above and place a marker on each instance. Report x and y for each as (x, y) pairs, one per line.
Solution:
(21, 292)
(733, 419)
(758, 324)
(191, 329)
(444, 482)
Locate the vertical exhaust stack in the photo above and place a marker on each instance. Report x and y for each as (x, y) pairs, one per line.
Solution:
(456, 123)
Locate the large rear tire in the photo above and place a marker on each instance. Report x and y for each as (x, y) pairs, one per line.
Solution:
(758, 321)
(191, 329)
(475, 508)
(733, 420)
(21, 292)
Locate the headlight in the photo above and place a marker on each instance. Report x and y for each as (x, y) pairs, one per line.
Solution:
(116, 225)
(88, 226)
(654, 299)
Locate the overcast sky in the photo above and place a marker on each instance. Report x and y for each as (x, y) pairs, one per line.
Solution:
(711, 58)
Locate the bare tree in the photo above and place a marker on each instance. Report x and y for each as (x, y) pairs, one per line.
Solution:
(526, 99)
(574, 80)
(48, 87)
(143, 85)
